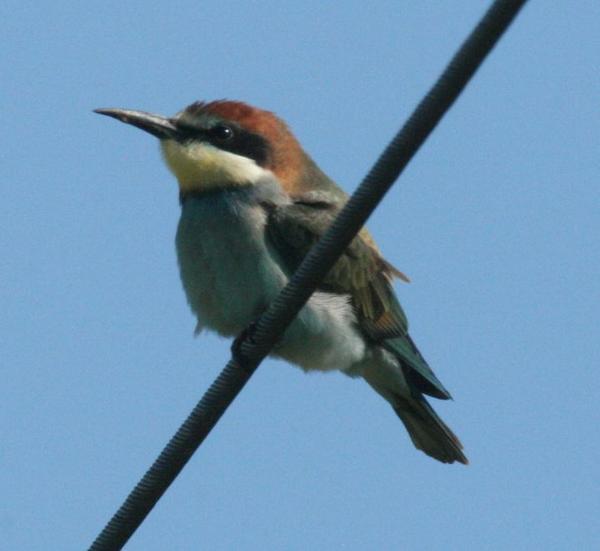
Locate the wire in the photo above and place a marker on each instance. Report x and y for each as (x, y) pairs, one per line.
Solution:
(272, 324)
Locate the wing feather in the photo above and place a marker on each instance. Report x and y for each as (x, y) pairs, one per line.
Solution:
(361, 272)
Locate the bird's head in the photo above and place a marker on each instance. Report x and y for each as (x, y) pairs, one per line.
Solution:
(223, 144)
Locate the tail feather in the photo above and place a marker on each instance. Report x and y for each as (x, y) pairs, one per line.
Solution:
(387, 375)
(428, 432)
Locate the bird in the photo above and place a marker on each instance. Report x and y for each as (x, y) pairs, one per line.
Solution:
(253, 203)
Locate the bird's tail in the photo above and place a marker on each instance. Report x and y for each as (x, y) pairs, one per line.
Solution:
(428, 432)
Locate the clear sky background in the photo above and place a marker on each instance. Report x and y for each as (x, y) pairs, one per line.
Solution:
(497, 222)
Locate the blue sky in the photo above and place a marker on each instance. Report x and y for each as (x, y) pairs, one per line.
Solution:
(496, 221)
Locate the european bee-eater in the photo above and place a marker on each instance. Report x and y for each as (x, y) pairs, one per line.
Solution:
(252, 204)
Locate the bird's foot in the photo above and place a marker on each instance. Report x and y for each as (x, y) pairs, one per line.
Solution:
(236, 346)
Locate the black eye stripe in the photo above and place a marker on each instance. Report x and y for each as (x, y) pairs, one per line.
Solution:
(229, 138)
(219, 132)
(188, 132)
(249, 145)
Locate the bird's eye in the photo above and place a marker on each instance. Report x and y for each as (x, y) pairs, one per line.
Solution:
(222, 132)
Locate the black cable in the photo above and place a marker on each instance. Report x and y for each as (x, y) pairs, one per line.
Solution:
(271, 325)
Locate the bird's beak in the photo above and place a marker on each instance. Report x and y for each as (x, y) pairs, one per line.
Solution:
(157, 125)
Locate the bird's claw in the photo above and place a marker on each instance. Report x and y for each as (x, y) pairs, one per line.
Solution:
(236, 346)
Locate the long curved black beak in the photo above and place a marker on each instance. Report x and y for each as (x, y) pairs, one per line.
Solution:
(157, 125)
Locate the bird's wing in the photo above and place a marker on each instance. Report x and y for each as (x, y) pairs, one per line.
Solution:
(361, 272)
